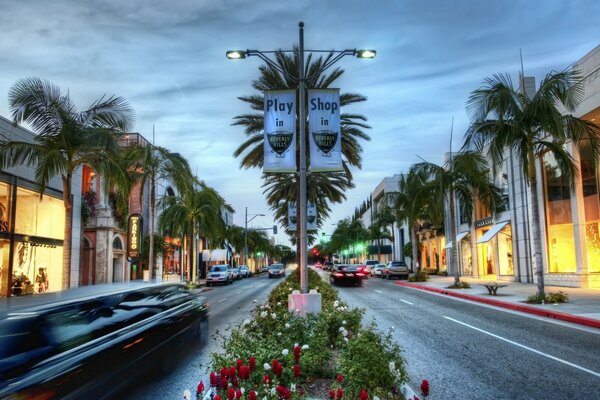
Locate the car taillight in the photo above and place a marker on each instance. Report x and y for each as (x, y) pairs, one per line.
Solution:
(338, 274)
(360, 274)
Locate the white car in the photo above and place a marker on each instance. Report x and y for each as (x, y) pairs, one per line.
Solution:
(376, 270)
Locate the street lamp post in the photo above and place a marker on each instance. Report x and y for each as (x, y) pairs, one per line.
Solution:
(246, 233)
(240, 54)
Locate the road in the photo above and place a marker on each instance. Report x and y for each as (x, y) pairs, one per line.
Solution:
(465, 350)
(470, 351)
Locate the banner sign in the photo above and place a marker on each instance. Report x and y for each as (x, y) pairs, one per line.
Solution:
(134, 236)
(325, 138)
(280, 131)
(311, 218)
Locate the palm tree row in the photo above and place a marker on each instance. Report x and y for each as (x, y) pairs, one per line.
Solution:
(505, 121)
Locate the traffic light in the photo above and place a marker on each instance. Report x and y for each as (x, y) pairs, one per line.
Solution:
(274, 229)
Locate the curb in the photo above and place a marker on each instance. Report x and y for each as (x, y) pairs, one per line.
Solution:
(594, 323)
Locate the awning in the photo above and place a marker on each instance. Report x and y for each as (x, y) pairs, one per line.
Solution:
(492, 232)
(459, 237)
(383, 249)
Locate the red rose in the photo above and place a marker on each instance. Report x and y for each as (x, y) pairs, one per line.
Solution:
(223, 382)
(231, 372)
(244, 372)
(231, 393)
(340, 378)
(200, 388)
(223, 372)
(252, 395)
(363, 395)
(238, 394)
(252, 363)
(297, 352)
(213, 379)
(339, 394)
(296, 371)
(234, 381)
(287, 394)
(332, 394)
(425, 387)
(239, 362)
(217, 397)
(266, 379)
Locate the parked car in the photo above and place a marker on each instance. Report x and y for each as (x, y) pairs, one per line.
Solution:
(219, 274)
(376, 270)
(80, 343)
(276, 271)
(328, 266)
(395, 269)
(265, 268)
(244, 271)
(346, 274)
(235, 273)
(370, 264)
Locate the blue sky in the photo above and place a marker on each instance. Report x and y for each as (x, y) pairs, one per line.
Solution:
(167, 58)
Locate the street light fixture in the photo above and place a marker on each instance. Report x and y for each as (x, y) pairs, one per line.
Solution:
(302, 206)
(246, 220)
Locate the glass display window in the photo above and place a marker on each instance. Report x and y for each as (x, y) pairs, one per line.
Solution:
(39, 216)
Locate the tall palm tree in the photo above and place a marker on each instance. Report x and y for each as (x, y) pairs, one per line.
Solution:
(464, 177)
(150, 164)
(385, 218)
(193, 211)
(411, 204)
(504, 118)
(66, 139)
(327, 187)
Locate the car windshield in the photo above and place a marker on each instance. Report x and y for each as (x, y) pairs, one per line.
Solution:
(398, 264)
(276, 266)
(218, 268)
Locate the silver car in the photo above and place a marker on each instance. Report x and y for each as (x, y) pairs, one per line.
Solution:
(395, 269)
(376, 270)
(219, 274)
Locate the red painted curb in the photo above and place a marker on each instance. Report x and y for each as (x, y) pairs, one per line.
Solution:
(594, 323)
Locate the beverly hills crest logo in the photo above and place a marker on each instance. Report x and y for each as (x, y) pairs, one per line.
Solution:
(280, 142)
(325, 141)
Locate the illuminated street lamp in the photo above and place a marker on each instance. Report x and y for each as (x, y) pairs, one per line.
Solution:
(241, 54)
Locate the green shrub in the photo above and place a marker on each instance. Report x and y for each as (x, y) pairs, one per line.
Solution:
(461, 285)
(560, 297)
(420, 276)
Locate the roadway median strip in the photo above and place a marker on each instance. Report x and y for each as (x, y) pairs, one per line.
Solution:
(594, 323)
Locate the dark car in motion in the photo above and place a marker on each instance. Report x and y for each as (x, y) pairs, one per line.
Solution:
(91, 343)
(349, 274)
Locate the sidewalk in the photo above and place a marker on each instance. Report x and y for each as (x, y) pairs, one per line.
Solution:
(583, 307)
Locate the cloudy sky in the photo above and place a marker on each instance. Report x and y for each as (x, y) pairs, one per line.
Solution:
(167, 58)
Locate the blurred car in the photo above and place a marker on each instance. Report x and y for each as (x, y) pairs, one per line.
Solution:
(328, 266)
(346, 274)
(376, 270)
(265, 268)
(81, 343)
(235, 273)
(219, 274)
(276, 271)
(370, 264)
(244, 271)
(318, 265)
(395, 269)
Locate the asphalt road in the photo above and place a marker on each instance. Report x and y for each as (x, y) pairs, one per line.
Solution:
(465, 350)
(469, 351)
(229, 306)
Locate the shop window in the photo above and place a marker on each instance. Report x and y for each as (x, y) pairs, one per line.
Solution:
(501, 181)
(589, 182)
(561, 242)
(4, 207)
(467, 259)
(117, 243)
(505, 253)
(44, 217)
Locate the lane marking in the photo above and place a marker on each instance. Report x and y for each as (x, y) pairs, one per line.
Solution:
(378, 291)
(407, 302)
(596, 374)
(223, 299)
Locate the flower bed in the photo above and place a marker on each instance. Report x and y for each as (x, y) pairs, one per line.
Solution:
(277, 354)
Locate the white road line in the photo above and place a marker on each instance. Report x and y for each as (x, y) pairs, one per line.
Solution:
(596, 374)
(407, 302)
(223, 299)
(378, 291)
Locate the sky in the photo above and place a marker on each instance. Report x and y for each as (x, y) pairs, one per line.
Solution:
(167, 59)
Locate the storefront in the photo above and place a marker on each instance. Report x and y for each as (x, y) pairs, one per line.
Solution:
(494, 251)
(31, 238)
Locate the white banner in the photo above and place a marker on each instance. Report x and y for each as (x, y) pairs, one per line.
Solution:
(324, 130)
(280, 131)
(311, 217)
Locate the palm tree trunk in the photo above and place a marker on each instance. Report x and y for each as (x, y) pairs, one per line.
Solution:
(68, 232)
(415, 246)
(151, 247)
(537, 237)
(193, 252)
(454, 249)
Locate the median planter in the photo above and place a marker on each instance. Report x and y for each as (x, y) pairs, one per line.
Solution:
(278, 354)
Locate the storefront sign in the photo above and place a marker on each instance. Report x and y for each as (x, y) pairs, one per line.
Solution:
(325, 138)
(483, 222)
(134, 236)
(280, 131)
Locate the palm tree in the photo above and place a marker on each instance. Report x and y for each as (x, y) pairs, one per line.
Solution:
(150, 164)
(504, 118)
(323, 187)
(464, 177)
(66, 139)
(385, 218)
(411, 203)
(193, 211)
